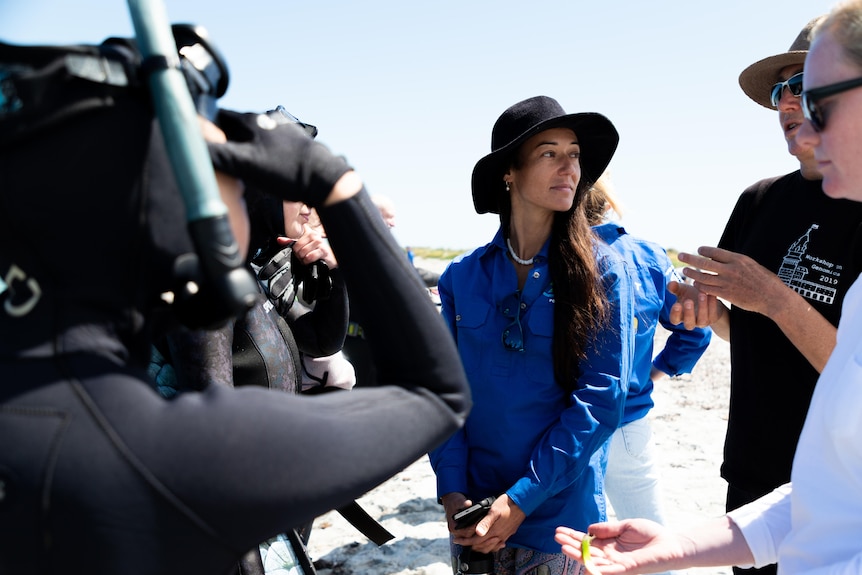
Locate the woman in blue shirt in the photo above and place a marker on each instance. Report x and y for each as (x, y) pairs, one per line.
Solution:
(631, 476)
(530, 312)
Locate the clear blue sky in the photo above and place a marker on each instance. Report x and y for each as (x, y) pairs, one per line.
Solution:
(409, 91)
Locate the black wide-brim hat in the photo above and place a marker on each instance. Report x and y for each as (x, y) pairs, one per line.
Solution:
(596, 134)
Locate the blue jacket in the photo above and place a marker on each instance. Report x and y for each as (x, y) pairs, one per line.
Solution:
(652, 270)
(526, 436)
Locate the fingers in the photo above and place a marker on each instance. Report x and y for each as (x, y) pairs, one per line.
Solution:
(698, 314)
(713, 310)
(311, 247)
(692, 314)
(703, 279)
(488, 545)
(708, 259)
(716, 254)
(676, 315)
(572, 545)
(568, 536)
(695, 260)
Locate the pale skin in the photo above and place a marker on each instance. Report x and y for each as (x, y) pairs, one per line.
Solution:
(837, 149)
(641, 546)
(636, 546)
(544, 184)
(738, 279)
(232, 191)
(386, 208)
(309, 242)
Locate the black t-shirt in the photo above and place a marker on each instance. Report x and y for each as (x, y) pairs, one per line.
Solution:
(788, 225)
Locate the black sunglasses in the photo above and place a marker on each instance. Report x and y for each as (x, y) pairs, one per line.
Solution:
(793, 83)
(513, 334)
(811, 100)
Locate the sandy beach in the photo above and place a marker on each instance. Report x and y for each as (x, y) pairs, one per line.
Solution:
(689, 422)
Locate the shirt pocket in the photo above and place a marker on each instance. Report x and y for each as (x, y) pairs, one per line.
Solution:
(539, 325)
(471, 320)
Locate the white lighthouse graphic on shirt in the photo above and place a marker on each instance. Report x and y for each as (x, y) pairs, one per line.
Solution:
(811, 277)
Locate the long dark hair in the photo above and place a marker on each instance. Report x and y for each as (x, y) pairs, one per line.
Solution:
(580, 301)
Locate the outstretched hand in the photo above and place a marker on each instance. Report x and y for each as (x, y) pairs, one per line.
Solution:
(694, 308)
(623, 547)
(734, 277)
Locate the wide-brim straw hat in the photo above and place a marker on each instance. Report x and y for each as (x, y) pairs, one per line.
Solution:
(596, 134)
(758, 79)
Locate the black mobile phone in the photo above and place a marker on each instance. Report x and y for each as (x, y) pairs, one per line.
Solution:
(472, 514)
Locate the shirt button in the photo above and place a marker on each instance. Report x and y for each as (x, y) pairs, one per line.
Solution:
(523, 305)
(458, 317)
(536, 275)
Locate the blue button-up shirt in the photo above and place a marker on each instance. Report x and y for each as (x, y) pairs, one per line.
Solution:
(652, 270)
(526, 436)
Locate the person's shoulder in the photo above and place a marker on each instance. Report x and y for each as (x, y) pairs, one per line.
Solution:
(464, 262)
(648, 248)
(608, 231)
(618, 238)
(610, 255)
(765, 185)
(472, 255)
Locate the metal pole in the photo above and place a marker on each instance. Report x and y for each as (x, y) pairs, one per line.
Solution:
(222, 264)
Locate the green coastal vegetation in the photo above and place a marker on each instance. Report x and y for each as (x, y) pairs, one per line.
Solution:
(448, 254)
(436, 253)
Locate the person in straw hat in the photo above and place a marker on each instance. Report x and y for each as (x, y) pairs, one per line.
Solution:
(784, 266)
(813, 524)
(542, 316)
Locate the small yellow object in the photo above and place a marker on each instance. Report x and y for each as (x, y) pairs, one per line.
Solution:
(585, 555)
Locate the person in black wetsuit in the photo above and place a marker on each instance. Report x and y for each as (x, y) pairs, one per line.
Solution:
(99, 473)
(300, 274)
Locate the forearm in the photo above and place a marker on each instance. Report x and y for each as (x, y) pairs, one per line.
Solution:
(805, 327)
(721, 326)
(718, 542)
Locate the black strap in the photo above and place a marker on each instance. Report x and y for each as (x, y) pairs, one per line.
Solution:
(366, 524)
(157, 63)
(300, 552)
(43, 85)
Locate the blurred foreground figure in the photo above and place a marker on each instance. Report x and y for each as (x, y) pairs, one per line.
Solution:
(98, 472)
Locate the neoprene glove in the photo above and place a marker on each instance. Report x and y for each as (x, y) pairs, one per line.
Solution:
(280, 159)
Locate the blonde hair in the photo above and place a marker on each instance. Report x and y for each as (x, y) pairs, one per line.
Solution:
(601, 201)
(844, 22)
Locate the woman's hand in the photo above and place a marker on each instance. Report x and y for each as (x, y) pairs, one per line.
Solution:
(311, 247)
(622, 547)
(452, 504)
(492, 531)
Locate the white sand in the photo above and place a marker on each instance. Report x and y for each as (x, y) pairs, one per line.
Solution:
(689, 422)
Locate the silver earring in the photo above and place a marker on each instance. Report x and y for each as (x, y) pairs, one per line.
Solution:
(508, 189)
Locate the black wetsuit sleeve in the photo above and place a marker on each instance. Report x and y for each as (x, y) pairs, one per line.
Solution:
(410, 342)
